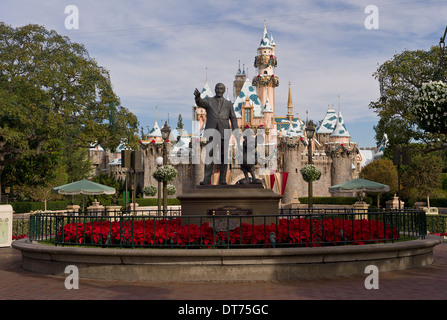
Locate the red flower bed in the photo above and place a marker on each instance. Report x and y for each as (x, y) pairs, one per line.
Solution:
(22, 236)
(300, 231)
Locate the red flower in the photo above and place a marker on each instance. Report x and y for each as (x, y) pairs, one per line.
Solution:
(300, 231)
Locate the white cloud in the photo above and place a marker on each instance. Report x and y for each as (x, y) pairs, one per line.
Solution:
(157, 51)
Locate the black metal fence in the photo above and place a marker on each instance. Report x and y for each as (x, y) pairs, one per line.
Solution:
(20, 227)
(291, 227)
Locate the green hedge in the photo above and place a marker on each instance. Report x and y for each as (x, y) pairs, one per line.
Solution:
(28, 206)
(437, 202)
(335, 200)
(436, 223)
(146, 202)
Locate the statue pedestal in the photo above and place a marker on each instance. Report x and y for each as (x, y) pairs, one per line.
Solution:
(242, 203)
(361, 207)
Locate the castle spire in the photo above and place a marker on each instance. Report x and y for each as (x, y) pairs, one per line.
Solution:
(272, 42)
(290, 105)
(265, 41)
(289, 100)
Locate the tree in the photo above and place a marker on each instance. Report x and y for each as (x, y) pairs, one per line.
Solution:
(43, 192)
(400, 79)
(382, 171)
(111, 181)
(397, 131)
(423, 178)
(180, 122)
(78, 164)
(55, 97)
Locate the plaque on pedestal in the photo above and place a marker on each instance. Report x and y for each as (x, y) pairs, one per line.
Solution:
(248, 203)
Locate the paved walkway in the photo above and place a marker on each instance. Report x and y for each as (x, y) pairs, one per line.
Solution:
(425, 283)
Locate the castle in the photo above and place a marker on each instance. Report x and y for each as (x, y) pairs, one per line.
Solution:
(333, 152)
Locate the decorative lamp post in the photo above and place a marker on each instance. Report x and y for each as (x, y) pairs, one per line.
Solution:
(159, 162)
(7, 192)
(310, 131)
(165, 132)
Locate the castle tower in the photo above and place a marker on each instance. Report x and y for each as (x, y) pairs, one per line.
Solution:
(269, 121)
(239, 81)
(340, 133)
(265, 62)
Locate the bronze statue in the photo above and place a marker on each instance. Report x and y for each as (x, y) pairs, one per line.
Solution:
(219, 113)
(248, 164)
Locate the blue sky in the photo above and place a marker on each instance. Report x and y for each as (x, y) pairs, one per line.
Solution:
(157, 51)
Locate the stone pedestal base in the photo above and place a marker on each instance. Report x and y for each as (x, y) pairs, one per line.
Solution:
(243, 203)
(73, 209)
(361, 207)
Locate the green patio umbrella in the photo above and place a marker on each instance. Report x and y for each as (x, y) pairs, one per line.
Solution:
(360, 186)
(84, 187)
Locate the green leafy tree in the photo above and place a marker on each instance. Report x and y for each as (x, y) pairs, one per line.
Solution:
(111, 181)
(78, 164)
(400, 78)
(423, 178)
(381, 171)
(43, 192)
(180, 122)
(55, 97)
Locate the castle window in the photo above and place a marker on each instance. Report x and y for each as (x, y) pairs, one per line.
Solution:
(247, 115)
(265, 72)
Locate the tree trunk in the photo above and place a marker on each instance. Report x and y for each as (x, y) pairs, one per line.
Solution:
(428, 201)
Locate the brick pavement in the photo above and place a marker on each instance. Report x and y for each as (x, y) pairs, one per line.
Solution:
(425, 283)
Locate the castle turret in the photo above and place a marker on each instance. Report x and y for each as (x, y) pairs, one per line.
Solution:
(327, 126)
(340, 133)
(199, 114)
(239, 81)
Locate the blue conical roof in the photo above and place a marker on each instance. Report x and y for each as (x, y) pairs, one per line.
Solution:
(248, 91)
(328, 123)
(340, 128)
(265, 41)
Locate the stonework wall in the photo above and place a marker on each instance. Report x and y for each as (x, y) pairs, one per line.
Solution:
(292, 156)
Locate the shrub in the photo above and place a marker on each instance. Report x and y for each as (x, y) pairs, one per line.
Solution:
(165, 173)
(335, 200)
(171, 189)
(150, 191)
(310, 173)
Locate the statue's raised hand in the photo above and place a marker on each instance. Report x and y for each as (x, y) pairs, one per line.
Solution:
(196, 93)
